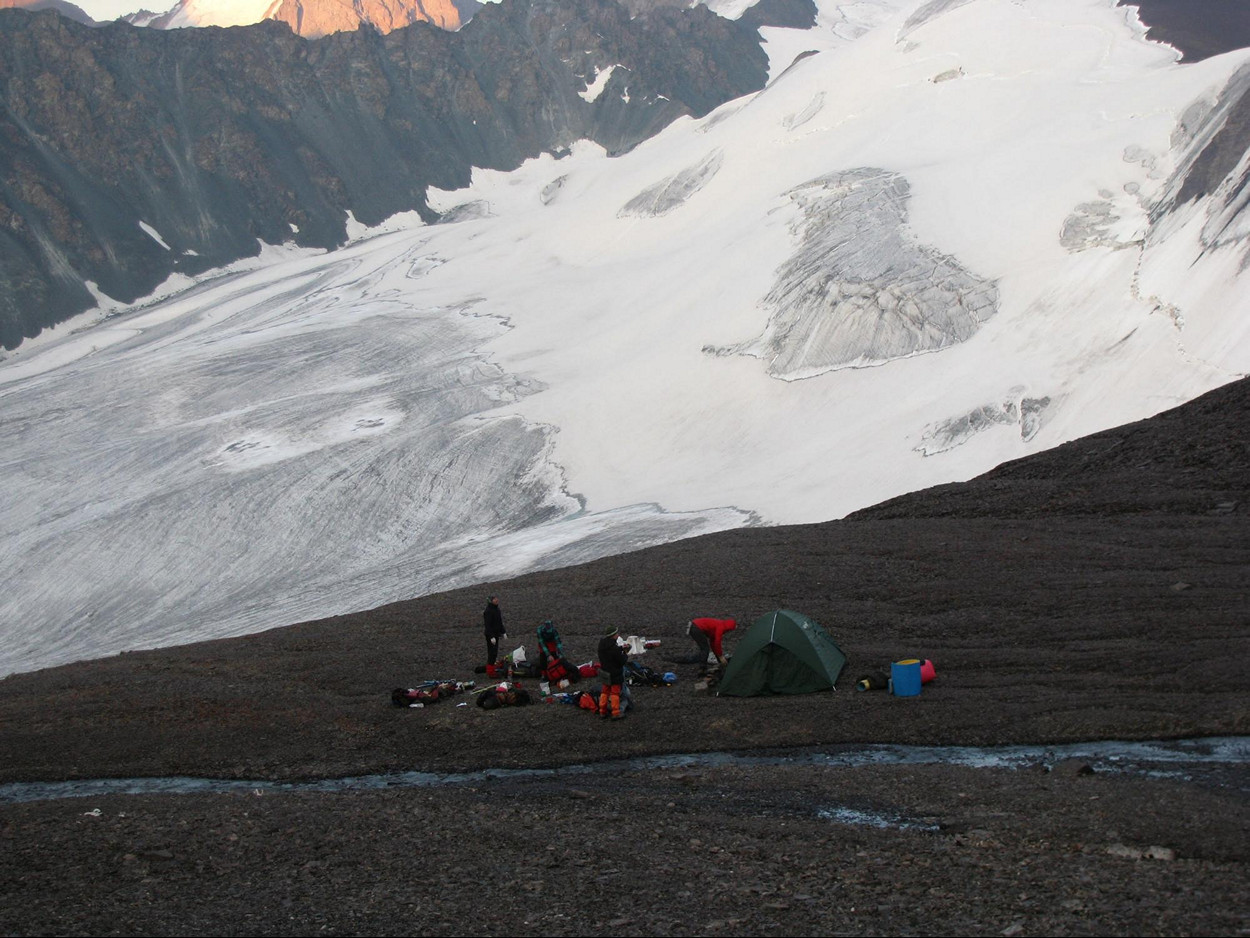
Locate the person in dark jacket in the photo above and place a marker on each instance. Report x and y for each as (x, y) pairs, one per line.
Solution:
(492, 621)
(612, 658)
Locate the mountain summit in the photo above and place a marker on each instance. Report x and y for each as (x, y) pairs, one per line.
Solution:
(312, 18)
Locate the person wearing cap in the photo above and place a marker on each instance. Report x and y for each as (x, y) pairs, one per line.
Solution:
(612, 659)
(492, 621)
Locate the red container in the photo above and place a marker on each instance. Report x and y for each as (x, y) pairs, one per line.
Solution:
(927, 671)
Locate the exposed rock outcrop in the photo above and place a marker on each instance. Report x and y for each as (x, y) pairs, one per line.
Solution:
(859, 290)
(315, 18)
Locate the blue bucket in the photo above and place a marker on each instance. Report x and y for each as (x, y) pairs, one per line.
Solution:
(905, 677)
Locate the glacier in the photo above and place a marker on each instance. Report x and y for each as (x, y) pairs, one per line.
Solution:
(945, 235)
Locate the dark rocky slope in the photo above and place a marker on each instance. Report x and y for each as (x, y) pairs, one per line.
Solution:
(217, 138)
(1199, 29)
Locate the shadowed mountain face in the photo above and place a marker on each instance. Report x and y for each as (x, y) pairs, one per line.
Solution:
(66, 9)
(129, 154)
(1198, 28)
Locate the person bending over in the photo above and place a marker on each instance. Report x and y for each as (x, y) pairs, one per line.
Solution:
(709, 635)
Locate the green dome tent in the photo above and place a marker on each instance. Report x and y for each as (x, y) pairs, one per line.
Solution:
(782, 652)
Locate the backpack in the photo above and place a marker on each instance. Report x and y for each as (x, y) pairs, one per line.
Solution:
(554, 666)
(640, 675)
(407, 696)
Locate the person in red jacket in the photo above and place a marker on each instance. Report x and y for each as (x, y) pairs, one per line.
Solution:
(709, 635)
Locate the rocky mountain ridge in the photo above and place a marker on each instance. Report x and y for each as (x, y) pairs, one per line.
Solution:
(313, 19)
(308, 18)
(66, 9)
(127, 155)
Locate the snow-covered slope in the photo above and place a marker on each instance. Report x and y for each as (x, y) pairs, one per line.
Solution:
(922, 250)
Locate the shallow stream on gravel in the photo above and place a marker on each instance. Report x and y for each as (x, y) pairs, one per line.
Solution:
(1221, 761)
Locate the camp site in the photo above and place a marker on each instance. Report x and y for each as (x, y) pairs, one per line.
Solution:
(1058, 775)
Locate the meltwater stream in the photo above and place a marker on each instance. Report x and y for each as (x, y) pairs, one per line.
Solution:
(1221, 761)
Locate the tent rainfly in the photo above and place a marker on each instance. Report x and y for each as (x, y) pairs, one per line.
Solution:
(783, 652)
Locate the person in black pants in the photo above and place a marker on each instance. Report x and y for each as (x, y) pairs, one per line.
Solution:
(492, 621)
(612, 659)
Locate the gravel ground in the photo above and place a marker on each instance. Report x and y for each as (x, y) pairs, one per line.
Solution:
(1097, 591)
(725, 850)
